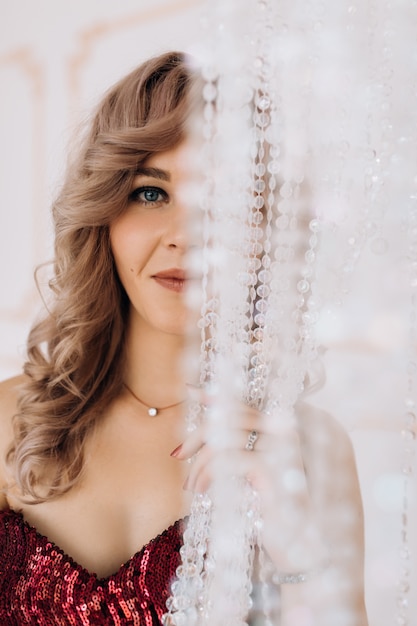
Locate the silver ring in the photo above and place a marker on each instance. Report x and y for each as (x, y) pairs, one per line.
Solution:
(252, 439)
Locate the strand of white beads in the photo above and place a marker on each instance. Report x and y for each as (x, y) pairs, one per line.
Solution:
(409, 426)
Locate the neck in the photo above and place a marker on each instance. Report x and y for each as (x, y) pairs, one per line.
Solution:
(154, 365)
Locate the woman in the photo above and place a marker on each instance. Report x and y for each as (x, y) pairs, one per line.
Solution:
(93, 450)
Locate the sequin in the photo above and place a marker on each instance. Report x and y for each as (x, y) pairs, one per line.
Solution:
(42, 586)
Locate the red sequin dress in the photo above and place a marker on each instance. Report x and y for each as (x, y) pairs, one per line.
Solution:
(42, 586)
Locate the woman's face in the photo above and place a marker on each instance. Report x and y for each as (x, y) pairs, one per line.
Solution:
(149, 242)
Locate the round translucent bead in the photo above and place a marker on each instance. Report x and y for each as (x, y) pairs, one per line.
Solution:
(282, 222)
(263, 103)
(310, 256)
(262, 119)
(261, 306)
(266, 261)
(260, 169)
(263, 291)
(286, 190)
(258, 333)
(259, 186)
(254, 264)
(410, 419)
(260, 319)
(314, 226)
(303, 286)
(257, 233)
(209, 73)
(264, 276)
(209, 92)
(408, 434)
(209, 112)
(258, 203)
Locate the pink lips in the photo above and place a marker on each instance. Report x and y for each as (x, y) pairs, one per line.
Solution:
(172, 279)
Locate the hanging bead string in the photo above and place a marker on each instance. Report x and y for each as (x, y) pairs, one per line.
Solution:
(192, 591)
(261, 203)
(229, 584)
(289, 134)
(409, 421)
(366, 144)
(185, 606)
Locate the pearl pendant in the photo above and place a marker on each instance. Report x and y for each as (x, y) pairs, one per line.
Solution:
(152, 411)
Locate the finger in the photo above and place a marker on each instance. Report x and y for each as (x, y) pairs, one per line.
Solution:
(286, 444)
(208, 466)
(191, 444)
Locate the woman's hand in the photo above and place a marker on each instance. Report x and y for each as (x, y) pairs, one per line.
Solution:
(274, 467)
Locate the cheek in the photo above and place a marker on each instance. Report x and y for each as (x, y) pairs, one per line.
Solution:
(124, 246)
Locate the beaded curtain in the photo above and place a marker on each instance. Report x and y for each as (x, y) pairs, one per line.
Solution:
(310, 143)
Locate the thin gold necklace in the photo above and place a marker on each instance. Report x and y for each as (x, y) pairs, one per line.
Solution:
(152, 410)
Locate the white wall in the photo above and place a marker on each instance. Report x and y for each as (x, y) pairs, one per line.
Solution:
(56, 58)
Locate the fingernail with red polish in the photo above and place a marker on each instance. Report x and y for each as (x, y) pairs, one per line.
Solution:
(176, 451)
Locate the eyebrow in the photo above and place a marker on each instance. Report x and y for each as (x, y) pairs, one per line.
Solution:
(153, 172)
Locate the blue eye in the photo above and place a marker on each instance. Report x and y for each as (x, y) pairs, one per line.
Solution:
(148, 195)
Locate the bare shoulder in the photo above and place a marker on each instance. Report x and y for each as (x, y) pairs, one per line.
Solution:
(329, 459)
(9, 390)
(322, 432)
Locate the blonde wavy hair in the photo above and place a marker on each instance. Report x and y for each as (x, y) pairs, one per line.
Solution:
(75, 354)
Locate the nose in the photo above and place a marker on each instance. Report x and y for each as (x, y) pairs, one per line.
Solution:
(176, 232)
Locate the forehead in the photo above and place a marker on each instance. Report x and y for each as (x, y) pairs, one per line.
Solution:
(179, 160)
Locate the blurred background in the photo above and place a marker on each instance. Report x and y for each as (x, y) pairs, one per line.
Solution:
(56, 59)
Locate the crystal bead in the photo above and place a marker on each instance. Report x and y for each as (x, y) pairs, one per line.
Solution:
(257, 233)
(258, 333)
(208, 112)
(259, 186)
(181, 602)
(282, 222)
(266, 261)
(254, 264)
(310, 256)
(285, 190)
(205, 501)
(207, 131)
(404, 586)
(264, 276)
(209, 73)
(314, 226)
(410, 419)
(303, 286)
(307, 271)
(405, 553)
(262, 119)
(260, 319)
(258, 203)
(263, 291)
(263, 103)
